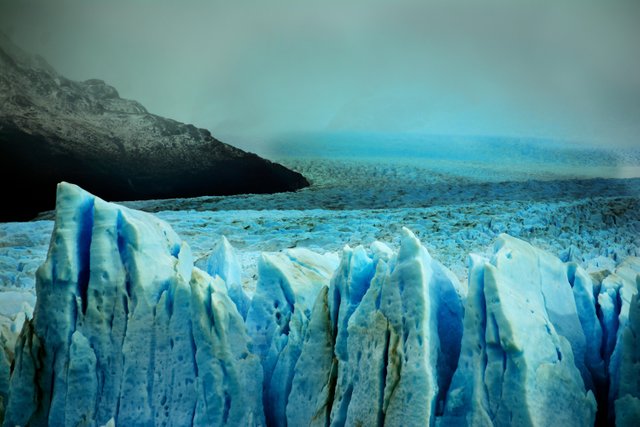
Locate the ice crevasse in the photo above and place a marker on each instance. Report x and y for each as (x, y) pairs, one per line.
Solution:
(127, 331)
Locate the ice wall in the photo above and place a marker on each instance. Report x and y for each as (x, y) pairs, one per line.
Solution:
(376, 349)
(126, 330)
(618, 308)
(288, 285)
(223, 262)
(523, 349)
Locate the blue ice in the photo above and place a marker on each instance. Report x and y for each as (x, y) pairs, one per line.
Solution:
(127, 331)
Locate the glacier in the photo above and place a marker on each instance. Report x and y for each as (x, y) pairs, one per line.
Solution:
(223, 261)
(129, 328)
(278, 316)
(523, 345)
(126, 329)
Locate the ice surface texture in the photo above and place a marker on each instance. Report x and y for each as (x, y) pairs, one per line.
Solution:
(523, 345)
(288, 285)
(126, 330)
(223, 262)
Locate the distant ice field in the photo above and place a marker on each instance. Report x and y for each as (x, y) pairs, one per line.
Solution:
(597, 232)
(579, 203)
(361, 171)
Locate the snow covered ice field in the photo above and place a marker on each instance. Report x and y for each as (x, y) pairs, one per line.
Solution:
(579, 205)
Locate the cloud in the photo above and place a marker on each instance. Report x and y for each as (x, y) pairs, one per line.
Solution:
(251, 71)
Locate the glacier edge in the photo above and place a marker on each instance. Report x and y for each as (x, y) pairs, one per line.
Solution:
(128, 330)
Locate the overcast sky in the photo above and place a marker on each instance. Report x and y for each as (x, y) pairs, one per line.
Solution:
(250, 71)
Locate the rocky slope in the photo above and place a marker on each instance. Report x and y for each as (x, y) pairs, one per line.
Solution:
(54, 129)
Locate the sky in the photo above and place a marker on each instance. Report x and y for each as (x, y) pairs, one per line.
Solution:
(252, 71)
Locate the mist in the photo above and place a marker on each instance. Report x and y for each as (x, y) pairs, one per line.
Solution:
(252, 72)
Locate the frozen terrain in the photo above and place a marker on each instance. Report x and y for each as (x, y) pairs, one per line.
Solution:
(597, 232)
(370, 336)
(579, 203)
(581, 209)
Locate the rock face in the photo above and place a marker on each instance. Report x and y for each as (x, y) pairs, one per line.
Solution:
(126, 330)
(53, 129)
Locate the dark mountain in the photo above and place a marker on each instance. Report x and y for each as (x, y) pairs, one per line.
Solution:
(53, 129)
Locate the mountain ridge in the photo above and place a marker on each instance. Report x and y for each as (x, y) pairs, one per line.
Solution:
(55, 129)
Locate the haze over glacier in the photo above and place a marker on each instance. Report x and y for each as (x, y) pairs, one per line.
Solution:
(461, 245)
(305, 307)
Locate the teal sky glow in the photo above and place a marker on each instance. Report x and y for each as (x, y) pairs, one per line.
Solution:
(251, 71)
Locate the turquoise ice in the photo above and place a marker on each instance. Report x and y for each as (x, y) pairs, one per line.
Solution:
(127, 331)
(523, 350)
(125, 328)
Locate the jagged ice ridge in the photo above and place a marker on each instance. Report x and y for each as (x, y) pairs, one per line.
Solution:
(126, 330)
